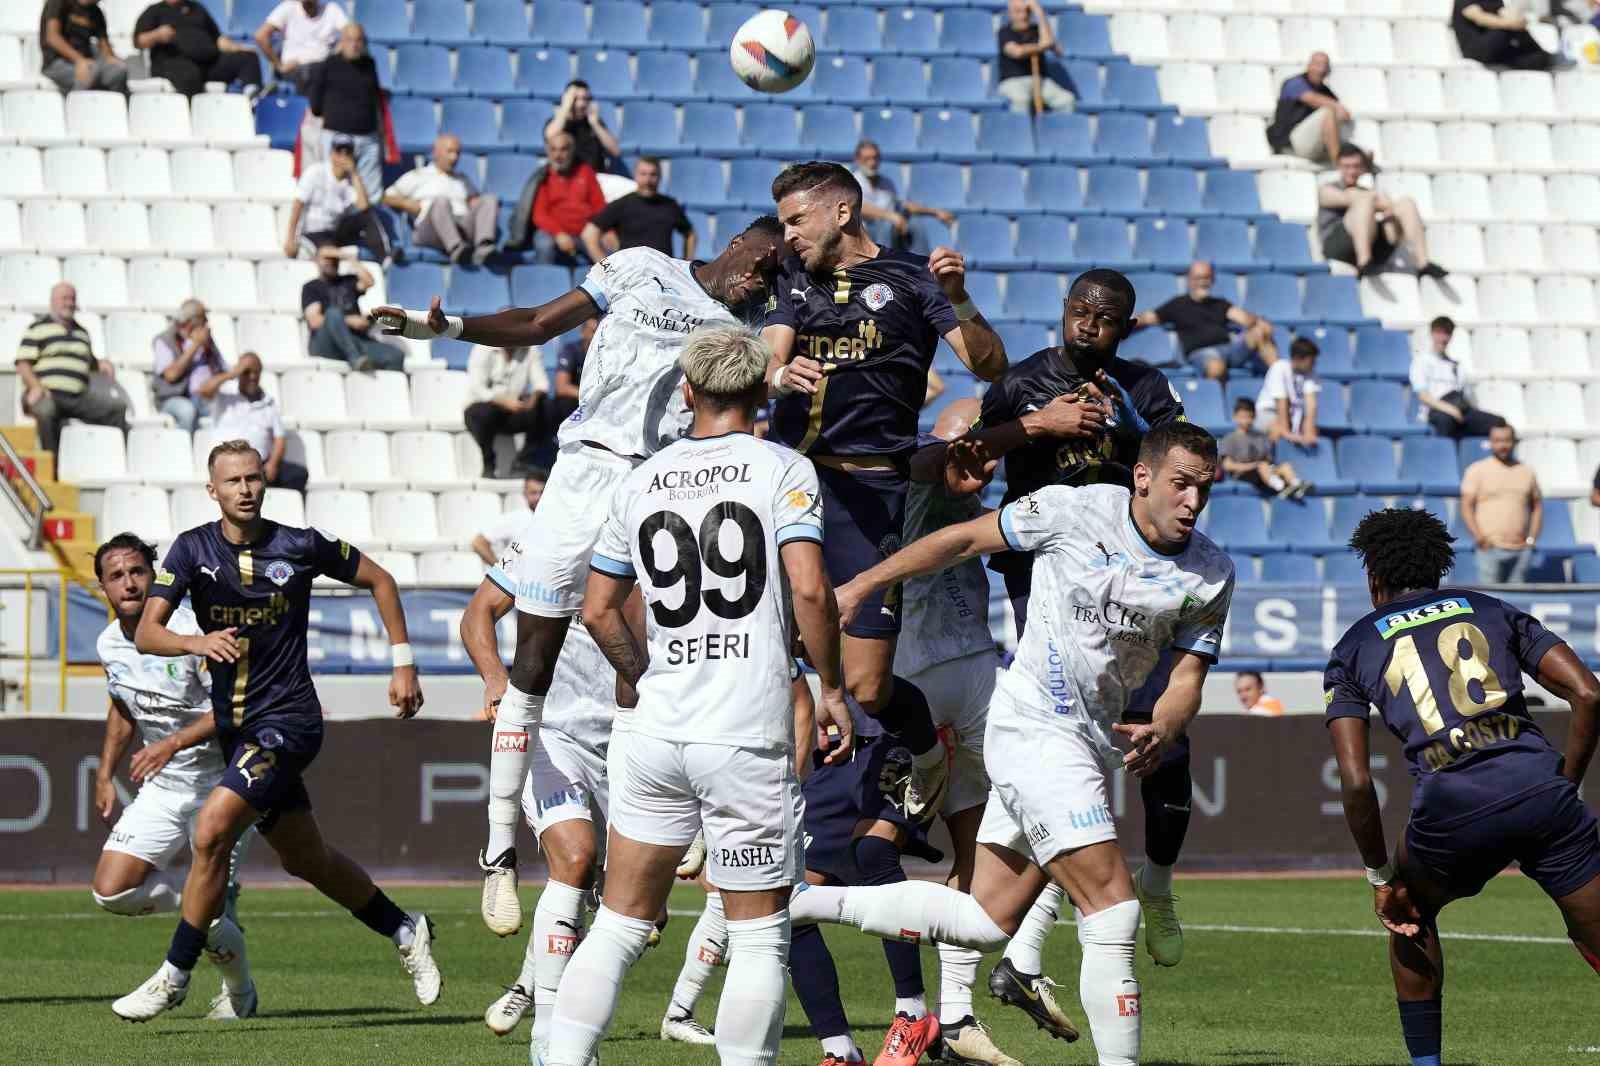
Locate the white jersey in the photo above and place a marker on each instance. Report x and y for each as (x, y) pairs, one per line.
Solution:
(582, 701)
(943, 616)
(700, 525)
(164, 695)
(629, 395)
(1105, 605)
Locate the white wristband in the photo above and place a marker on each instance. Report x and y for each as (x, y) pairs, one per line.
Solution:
(777, 378)
(966, 311)
(1382, 876)
(453, 326)
(401, 655)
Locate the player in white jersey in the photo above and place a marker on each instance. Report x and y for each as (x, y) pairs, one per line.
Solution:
(628, 408)
(1119, 578)
(168, 701)
(722, 532)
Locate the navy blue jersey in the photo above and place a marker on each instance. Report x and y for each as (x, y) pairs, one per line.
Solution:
(1444, 668)
(264, 591)
(874, 327)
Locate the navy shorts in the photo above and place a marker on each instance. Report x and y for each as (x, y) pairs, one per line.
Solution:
(863, 515)
(265, 761)
(839, 797)
(1551, 834)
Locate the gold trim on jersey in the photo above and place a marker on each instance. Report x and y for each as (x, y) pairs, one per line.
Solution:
(841, 294)
(241, 680)
(247, 567)
(814, 419)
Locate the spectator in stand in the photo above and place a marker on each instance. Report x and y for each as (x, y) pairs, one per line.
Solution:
(343, 93)
(188, 49)
(62, 378)
(1289, 395)
(1202, 322)
(1363, 227)
(1496, 35)
(77, 53)
(1440, 385)
(569, 369)
(492, 540)
(887, 217)
(645, 217)
(506, 390)
(1503, 510)
(446, 208)
(1247, 455)
(1310, 122)
(332, 206)
(188, 367)
(577, 115)
(556, 204)
(252, 415)
(339, 328)
(1027, 37)
(1252, 692)
(310, 30)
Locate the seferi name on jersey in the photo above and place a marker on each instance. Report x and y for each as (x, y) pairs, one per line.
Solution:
(702, 481)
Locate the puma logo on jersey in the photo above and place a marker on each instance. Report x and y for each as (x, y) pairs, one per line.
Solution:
(209, 571)
(1110, 555)
(800, 294)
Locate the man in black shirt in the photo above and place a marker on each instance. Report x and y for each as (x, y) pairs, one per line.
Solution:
(188, 49)
(1310, 122)
(1202, 321)
(343, 92)
(1492, 35)
(1023, 41)
(72, 38)
(644, 217)
(577, 115)
(339, 328)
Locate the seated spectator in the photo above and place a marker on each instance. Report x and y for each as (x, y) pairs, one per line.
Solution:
(309, 29)
(506, 394)
(77, 53)
(61, 377)
(1503, 510)
(1363, 227)
(593, 142)
(1024, 41)
(645, 218)
(250, 414)
(1310, 122)
(1202, 322)
(569, 369)
(1252, 692)
(339, 329)
(188, 49)
(1288, 397)
(1496, 35)
(188, 367)
(556, 204)
(1440, 384)
(445, 207)
(342, 93)
(1247, 454)
(886, 216)
(332, 206)
(493, 539)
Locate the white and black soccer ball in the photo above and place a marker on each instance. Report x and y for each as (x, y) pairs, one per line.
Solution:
(772, 52)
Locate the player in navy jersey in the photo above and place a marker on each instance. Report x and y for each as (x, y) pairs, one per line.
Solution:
(249, 581)
(1444, 667)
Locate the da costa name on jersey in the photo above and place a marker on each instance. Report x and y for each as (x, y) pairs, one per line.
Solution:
(701, 481)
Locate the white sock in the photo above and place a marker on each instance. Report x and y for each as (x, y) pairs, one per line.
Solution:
(1106, 985)
(707, 949)
(914, 911)
(516, 729)
(225, 948)
(161, 892)
(173, 974)
(1026, 950)
(913, 1007)
(1156, 879)
(958, 972)
(1274, 482)
(557, 930)
(750, 1014)
(592, 983)
(407, 932)
(843, 1047)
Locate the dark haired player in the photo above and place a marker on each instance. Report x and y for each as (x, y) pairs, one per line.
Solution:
(1444, 667)
(249, 581)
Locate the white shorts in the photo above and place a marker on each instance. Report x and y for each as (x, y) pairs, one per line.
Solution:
(549, 565)
(1306, 138)
(1048, 787)
(157, 824)
(958, 694)
(565, 780)
(747, 801)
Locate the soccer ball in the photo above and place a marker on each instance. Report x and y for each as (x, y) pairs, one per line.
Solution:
(772, 52)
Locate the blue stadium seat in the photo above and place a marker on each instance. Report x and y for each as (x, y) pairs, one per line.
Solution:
(678, 25)
(950, 134)
(1115, 190)
(1334, 299)
(958, 81)
(1134, 88)
(697, 181)
(522, 124)
(1155, 287)
(424, 70)
(1343, 568)
(895, 132)
(543, 71)
(441, 22)
(1033, 297)
(998, 187)
(1006, 136)
(1224, 242)
(454, 353)
(750, 183)
(771, 129)
(247, 17)
(1226, 286)
(928, 232)
(414, 284)
(1087, 84)
(386, 21)
(1275, 296)
(1055, 189)
(1241, 386)
(1557, 535)
(937, 185)
(986, 242)
(713, 129)
(1283, 245)
(1317, 466)
(562, 22)
(532, 285)
(1471, 449)
(485, 71)
(911, 33)
(1125, 138)
(473, 121)
(1084, 36)
(1175, 192)
(278, 117)
(1237, 524)
(1163, 243)
(1066, 137)
(1586, 569)
(984, 288)
(1383, 353)
(1547, 568)
(1350, 510)
(1184, 141)
(619, 24)
(1047, 242)
(840, 80)
(1382, 407)
(1371, 463)
(504, 22)
(1156, 347)
(725, 22)
(1301, 526)
(1433, 462)
(508, 173)
(714, 78)
(667, 76)
(1103, 242)
(1335, 361)
(1286, 569)
(1022, 339)
(415, 127)
(650, 127)
(828, 131)
(850, 29)
(899, 80)
(382, 59)
(1202, 403)
(966, 32)
(1233, 193)
(606, 71)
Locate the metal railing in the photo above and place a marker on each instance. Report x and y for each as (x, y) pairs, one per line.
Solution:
(42, 505)
(29, 576)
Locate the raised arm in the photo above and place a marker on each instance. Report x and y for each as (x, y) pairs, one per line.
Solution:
(816, 616)
(119, 734)
(405, 694)
(488, 605)
(929, 555)
(974, 341)
(515, 327)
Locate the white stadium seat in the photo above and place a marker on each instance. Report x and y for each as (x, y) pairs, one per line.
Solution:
(79, 173)
(1141, 34)
(1473, 92)
(98, 118)
(25, 280)
(1574, 197)
(182, 229)
(1528, 94)
(344, 513)
(1365, 91)
(1456, 296)
(1244, 87)
(225, 120)
(1575, 96)
(439, 397)
(1250, 37)
(1571, 249)
(205, 438)
(1504, 398)
(13, 72)
(1563, 352)
(158, 284)
(13, 324)
(247, 230)
(1575, 146)
(313, 399)
(407, 520)
(1514, 246)
(1467, 146)
(91, 455)
(1518, 197)
(1365, 40)
(1428, 41)
(226, 284)
(1566, 299)
(119, 226)
(264, 174)
(140, 173)
(160, 456)
(1555, 459)
(275, 338)
(402, 566)
(359, 458)
(1192, 85)
(37, 116)
(449, 569)
(129, 335)
(425, 459)
(1410, 183)
(160, 119)
(1525, 144)
(1304, 34)
(1513, 358)
(193, 506)
(1411, 144)
(139, 509)
(55, 227)
(463, 514)
(1289, 193)
(305, 447)
(280, 281)
(21, 172)
(101, 281)
(1392, 298)
(285, 506)
(1591, 404)
(202, 174)
(1464, 197)
(1508, 298)
(381, 399)
(1196, 37)
(1555, 407)
(1419, 93)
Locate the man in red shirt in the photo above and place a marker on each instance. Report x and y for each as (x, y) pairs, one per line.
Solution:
(568, 195)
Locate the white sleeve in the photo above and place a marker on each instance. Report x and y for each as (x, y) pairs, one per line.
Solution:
(278, 19)
(613, 550)
(307, 187)
(1030, 522)
(1202, 634)
(608, 278)
(406, 184)
(1419, 376)
(278, 432)
(798, 506)
(337, 16)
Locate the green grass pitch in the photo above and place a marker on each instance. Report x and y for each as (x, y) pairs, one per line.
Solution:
(1276, 971)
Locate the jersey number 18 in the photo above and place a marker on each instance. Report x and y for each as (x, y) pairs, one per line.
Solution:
(1406, 672)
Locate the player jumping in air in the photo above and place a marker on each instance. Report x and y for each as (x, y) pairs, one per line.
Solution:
(1444, 667)
(249, 580)
(628, 408)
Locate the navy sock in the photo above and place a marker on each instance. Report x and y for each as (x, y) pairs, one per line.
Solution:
(879, 863)
(1166, 794)
(187, 944)
(380, 914)
(1422, 1024)
(816, 982)
(907, 716)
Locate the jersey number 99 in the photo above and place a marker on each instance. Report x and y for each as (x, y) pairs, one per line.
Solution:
(706, 550)
(1406, 671)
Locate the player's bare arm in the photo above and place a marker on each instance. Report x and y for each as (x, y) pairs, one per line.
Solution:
(785, 373)
(515, 327)
(405, 692)
(149, 760)
(154, 638)
(1391, 902)
(935, 552)
(488, 605)
(1173, 712)
(1076, 414)
(119, 734)
(974, 341)
(603, 616)
(1563, 673)
(816, 616)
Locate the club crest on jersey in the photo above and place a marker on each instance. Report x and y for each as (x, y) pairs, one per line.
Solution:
(1390, 624)
(164, 577)
(877, 296)
(279, 572)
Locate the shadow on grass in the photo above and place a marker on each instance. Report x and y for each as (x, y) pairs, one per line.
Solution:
(50, 1001)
